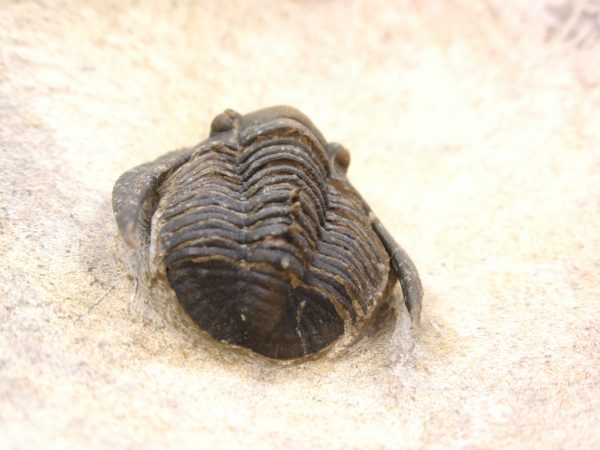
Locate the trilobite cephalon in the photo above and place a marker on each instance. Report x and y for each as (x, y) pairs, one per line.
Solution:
(261, 236)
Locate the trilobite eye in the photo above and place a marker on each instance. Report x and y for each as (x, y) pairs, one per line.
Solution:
(223, 122)
(342, 157)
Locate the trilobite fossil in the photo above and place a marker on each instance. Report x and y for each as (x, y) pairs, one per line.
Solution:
(261, 236)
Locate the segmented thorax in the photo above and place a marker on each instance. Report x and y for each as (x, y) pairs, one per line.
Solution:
(264, 247)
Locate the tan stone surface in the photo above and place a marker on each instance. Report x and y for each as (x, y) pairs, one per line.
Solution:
(475, 134)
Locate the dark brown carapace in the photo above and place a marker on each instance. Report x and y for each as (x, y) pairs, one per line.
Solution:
(261, 236)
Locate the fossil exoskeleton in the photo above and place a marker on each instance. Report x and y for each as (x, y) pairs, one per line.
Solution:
(261, 236)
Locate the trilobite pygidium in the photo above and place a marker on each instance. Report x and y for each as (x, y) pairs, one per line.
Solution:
(261, 236)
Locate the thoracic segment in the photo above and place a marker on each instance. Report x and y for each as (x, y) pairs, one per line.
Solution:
(264, 249)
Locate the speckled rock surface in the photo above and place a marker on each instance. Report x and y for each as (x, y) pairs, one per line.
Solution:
(474, 132)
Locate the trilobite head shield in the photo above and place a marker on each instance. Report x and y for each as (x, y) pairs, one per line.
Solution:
(262, 238)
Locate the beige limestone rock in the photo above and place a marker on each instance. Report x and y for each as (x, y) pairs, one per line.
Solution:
(474, 129)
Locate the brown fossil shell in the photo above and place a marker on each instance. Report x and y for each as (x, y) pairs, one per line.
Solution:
(261, 236)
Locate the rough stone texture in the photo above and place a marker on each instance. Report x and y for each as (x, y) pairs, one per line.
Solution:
(475, 134)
